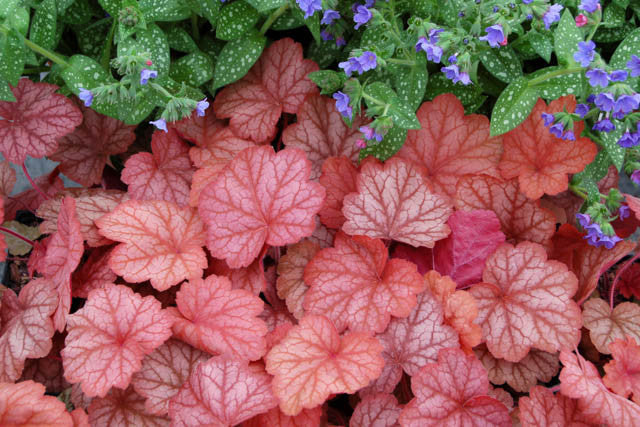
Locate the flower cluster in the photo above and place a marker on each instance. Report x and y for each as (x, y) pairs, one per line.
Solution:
(365, 62)
(595, 236)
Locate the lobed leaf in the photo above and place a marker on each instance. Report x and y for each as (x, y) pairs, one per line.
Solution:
(606, 325)
(543, 408)
(379, 410)
(25, 404)
(124, 408)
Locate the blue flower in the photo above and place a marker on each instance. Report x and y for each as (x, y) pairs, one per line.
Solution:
(362, 16)
(618, 76)
(86, 96)
(597, 77)
(433, 34)
(434, 52)
(342, 104)
(635, 176)
(623, 212)
(147, 74)
(368, 60)
(160, 124)
(201, 106)
(552, 15)
(370, 133)
(463, 78)
(583, 219)
(548, 119)
(605, 101)
(326, 35)
(453, 59)
(309, 7)
(628, 140)
(557, 130)
(582, 110)
(589, 5)
(494, 36)
(604, 125)
(451, 72)
(527, 1)
(627, 103)
(585, 53)
(351, 65)
(634, 66)
(569, 136)
(329, 16)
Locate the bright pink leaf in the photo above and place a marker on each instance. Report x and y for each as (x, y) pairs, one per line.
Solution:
(164, 174)
(26, 326)
(277, 83)
(260, 197)
(24, 404)
(474, 236)
(32, 125)
(543, 408)
(30, 199)
(394, 202)
(249, 278)
(84, 152)
(108, 338)
(276, 418)
(160, 242)
(122, 408)
(321, 133)
(290, 284)
(163, 372)
(198, 129)
(7, 178)
(525, 301)
(376, 410)
(95, 273)
(580, 380)
(222, 392)
(606, 325)
(356, 286)
(338, 178)
(217, 319)
(623, 372)
(453, 391)
(313, 361)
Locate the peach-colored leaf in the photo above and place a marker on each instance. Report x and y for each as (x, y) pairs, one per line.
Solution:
(525, 302)
(521, 219)
(198, 129)
(580, 380)
(122, 408)
(276, 418)
(605, 326)
(24, 404)
(313, 361)
(84, 153)
(450, 144)
(163, 174)
(321, 133)
(623, 372)
(249, 278)
(338, 178)
(26, 326)
(108, 338)
(453, 391)
(163, 372)
(277, 83)
(159, 242)
(222, 392)
(544, 409)
(356, 286)
(539, 160)
(80, 418)
(376, 410)
(393, 201)
(94, 273)
(7, 178)
(217, 319)
(290, 283)
(34, 122)
(260, 197)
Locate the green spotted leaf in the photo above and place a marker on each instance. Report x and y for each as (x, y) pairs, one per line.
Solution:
(382, 100)
(164, 10)
(236, 58)
(552, 86)
(411, 82)
(154, 41)
(194, 69)
(513, 106)
(7, 7)
(593, 173)
(630, 45)
(5, 92)
(288, 21)
(43, 26)
(235, 20)
(91, 39)
(566, 38)
(19, 20)
(208, 9)
(328, 81)
(312, 23)
(541, 43)
(180, 40)
(503, 63)
(609, 141)
(392, 142)
(112, 7)
(265, 5)
(12, 57)
(471, 96)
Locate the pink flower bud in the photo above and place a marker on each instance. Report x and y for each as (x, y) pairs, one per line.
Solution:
(149, 63)
(504, 41)
(361, 144)
(581, 20)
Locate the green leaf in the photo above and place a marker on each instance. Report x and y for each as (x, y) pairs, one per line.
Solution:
(392, 142)
(235, 20)
(329, 81)
(7, 7)
(593, 173)
(19, 19)
(43, 26)
(208, 9)
(471, 96)
(541, 43)
(513, 106)
(111, 6)
(312, 23)
(180, 40)
(384, 101)
(288, 21)
(154, 41)
(5, 92)
(164, 10)
(134, 14)
(613, 16)
(236, 58)
(630, 45)
(91, 38)
(194, 69)
(610, 143)
(554, 86)
(265, 5)
(80, 14)
(503, 63)
(12, 57)
(324, 53)
(411, 82)
(610, 35)
(566, 38)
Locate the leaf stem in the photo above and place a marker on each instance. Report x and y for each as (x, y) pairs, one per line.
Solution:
(272, 18)
(618, 275)
(15, 234)
(160, 89)
(553, 74)
(33, 183)
(106, 52)
(195, 30)
(578, 191)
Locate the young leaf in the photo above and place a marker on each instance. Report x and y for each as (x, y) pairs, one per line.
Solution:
(394, 201)
(338, 178)
(543, 408)
(25, 404)
(450, 144)
(623, 372)
(108, 338)
(380, 410)
(290, 283)
(235, 60)
(277, 83)
(260, 197)
(453, 391)
(159, 242)
(217, 319)
(356, 286)
(605, 326)
(513, 106)
(222, 391)
(313, 361)
(34, 122)
(122, 407)
(525, 301)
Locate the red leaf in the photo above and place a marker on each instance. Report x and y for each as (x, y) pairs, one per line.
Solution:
(163, 372)
(84, 152)
(122, 408)
(321, 133)
(539, 160)
(109, 336)
(222, 392)
(356, 286)
(629, 285)
(580, 380)
(521, 219)
(277, 83)
(95, 273)
(217, 319)
(26, 326)
(338, 178)
(24, 404)
(48, 370)
(276, 418)
(160, 242)
(623, 372)
(260, 197)
(290, 284)
(33, 123)
(198, 129)
(474, 236)
(313, 361)
(164, 174)
(30, 199)
(7, 178)
(249, 278)
(543, 408)
(379, 410)
(453, 391)
(605, 326)
(394, 202)
(450, 144)
(525, 301)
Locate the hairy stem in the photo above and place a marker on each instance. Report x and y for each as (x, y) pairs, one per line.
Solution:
(33, 183)
(272, 18)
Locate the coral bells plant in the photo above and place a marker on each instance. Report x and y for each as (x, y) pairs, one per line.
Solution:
(313, 213)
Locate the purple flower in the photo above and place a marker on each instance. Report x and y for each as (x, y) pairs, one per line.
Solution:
(552, 15)
(585, 53)
(160, 124)
(623, 212)
(463, 78)
(326, 35)
(582, 110)
(608, 241)
(628, 140)
(370, 133)
(634, 66)
(434, 52)
(433, 34)
(494, 36)
(604, 125)
(548, 119)
(527, 1)
(618, 76)
(86, 96)
(557, 130)
(351, 65)
(201, 106)
(591, 98)
(362, 16)
(342, 104)
(368, 60)
(627, 103)
(340, 41)
(329, 16)
(589, 5)
(583, 219)
(605, 101)
(451, 72)
(309, 7)
(569, 136)
(635, 176)
(453, 59)
(597, 77)
(147, 74)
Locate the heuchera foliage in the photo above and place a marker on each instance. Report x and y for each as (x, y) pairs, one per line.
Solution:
(247, 267)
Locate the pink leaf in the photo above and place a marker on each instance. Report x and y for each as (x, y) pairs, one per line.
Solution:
(260, 197)
(338, 178)
(30, 199)
(122, 408)
(543, 408)
(7, 178)
(48, 370)
(249, 278)
(606, 325)
(198, 129)
(290, 284)
(376, 410)
(95, 273)
(623, 372)
(24, 404)
(276, 418)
